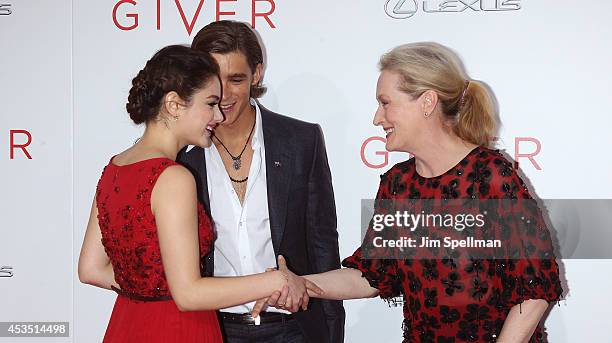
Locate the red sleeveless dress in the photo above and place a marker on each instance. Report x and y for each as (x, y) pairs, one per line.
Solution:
(144, 310)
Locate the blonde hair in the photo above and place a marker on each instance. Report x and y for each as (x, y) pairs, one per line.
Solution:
(430, 66)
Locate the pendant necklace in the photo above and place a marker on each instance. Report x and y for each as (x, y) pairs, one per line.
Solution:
(237, 160)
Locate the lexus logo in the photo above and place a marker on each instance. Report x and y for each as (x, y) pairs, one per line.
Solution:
(5, 9)
(404, 9)
(401, 9)
(6, 271)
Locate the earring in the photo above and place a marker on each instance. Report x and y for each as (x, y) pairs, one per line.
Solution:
(164, 120)
(426, 114)
(175, 118)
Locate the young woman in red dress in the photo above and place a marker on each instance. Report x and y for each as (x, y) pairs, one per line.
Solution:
(147, 233)
(429, 107)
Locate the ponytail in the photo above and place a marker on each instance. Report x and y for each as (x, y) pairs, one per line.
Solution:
(475, 122)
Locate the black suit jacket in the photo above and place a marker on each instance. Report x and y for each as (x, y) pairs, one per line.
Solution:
(301, 208)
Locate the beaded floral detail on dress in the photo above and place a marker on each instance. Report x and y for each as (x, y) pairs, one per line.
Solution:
(450, 299)
(129, 232)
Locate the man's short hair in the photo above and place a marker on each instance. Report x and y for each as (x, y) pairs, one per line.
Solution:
(227, 36)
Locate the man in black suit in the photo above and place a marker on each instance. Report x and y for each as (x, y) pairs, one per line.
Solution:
(267, 185)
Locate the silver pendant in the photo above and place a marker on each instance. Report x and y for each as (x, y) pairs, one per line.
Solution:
(237, 163)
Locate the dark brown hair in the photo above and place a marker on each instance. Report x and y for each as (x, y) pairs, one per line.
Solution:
(173, 68)
(226, 36)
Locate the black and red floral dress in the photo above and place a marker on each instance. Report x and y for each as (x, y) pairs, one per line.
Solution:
(455, 298)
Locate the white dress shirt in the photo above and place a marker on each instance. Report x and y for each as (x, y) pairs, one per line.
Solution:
(244, 242)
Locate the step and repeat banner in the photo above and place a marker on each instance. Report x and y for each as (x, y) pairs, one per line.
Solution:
(66, 68)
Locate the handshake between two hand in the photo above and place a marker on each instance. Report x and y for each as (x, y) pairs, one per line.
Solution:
(295, 294)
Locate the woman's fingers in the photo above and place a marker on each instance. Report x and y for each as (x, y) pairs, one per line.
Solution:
(273, 299)
(282, 300)
(288, 304)
(295, 296)
(282, 263)
(311, 286)
(259, 307)
(305, 301)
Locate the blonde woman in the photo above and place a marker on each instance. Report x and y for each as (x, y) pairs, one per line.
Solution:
(429, 107)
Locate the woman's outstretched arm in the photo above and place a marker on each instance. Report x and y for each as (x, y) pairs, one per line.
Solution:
(174, 205)
(342, 284)
(339, 284)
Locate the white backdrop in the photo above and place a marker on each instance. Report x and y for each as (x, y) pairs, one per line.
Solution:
(66, 67)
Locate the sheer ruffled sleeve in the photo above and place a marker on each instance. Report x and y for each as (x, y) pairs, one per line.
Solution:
(531, 271)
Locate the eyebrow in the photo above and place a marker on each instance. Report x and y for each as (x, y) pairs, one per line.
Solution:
(213, 97)
(238, 75)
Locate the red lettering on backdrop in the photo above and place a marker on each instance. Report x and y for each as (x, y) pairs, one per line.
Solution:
(158, 15)
(530, 156)
(265, 15)
(517, 152)
(221, 13)
(129, 15)
(382, 153)
(189, 27)
(190, 24)
(23, 146)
